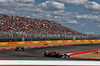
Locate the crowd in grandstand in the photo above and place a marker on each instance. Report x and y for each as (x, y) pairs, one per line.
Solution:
(31, 25)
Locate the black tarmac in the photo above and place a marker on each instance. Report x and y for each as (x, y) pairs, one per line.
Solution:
(38, 53)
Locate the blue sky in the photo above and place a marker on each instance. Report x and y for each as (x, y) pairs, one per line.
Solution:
(80, 15)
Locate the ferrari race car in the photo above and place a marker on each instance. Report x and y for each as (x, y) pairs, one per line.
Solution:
(54, 54)
(19, 48)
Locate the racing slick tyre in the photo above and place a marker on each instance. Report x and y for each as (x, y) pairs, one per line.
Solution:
(23, 49)
(16, 49)
(59, 56)
(46, 54)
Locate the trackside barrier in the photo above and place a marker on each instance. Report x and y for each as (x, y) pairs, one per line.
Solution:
(46, 42)
(77, 53)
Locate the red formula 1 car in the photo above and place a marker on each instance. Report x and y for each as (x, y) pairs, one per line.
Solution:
(19, 48)
(54, 54)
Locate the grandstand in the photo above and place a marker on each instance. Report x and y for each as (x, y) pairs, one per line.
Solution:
(15, 28)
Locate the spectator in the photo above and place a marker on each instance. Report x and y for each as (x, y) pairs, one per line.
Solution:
(32, 25)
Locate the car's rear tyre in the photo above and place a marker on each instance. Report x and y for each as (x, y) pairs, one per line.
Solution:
(46, 54)
(59, 56)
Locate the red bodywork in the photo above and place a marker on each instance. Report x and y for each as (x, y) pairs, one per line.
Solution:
(55, 54)
(19, 48)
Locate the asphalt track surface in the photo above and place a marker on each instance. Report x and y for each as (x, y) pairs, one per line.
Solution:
(38, 53)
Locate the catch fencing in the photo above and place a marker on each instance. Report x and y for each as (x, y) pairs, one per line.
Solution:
(21, 36)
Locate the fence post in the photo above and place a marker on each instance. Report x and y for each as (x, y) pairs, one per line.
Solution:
(23, 39)
(74, 38)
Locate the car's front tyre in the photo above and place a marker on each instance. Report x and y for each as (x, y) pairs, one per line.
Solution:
(16, 49)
